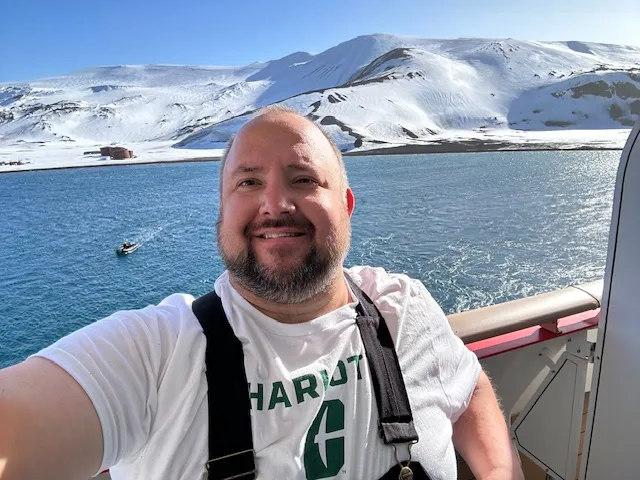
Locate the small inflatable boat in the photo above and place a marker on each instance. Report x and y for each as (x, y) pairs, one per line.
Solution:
(127, 248)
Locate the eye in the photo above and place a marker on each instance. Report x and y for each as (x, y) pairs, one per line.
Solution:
(305, 180)
(247, 183)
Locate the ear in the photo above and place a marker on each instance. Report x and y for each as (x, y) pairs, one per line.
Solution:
(351, 201)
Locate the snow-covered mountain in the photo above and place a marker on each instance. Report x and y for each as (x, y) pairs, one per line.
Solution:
(370, 90)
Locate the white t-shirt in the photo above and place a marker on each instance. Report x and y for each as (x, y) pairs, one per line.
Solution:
(144, 371)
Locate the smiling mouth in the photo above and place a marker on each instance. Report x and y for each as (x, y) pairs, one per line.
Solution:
(280, 235)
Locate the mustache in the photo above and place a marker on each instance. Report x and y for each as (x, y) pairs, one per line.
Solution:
(282, 222)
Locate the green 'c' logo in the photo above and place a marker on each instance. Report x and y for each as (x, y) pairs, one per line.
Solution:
(324, 447)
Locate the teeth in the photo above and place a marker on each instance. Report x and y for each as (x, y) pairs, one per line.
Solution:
(280, 235)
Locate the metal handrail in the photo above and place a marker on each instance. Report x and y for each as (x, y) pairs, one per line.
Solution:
(486, 322)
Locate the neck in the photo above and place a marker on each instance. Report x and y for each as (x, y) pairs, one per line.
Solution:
(336, 296)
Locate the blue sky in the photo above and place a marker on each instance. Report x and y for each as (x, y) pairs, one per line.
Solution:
(40, 38)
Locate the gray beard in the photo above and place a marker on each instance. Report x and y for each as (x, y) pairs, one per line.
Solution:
(313, 277)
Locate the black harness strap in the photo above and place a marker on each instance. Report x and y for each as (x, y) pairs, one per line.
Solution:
(231, 454)
(394, 411)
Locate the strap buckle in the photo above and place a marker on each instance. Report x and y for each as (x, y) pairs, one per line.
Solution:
(405, 470)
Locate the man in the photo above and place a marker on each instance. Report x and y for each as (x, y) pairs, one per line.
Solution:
(129, 392)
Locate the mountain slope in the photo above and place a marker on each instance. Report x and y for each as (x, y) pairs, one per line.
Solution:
(369, 90)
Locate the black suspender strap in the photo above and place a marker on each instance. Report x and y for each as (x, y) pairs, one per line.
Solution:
(231, 454)
(394, 410)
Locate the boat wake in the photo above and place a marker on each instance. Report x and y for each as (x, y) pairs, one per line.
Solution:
(150, 233)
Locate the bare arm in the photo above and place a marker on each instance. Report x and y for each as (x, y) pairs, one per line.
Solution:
(481, 436)
(48, 426)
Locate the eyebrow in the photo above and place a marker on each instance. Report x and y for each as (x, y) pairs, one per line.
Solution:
(243, 169)
(296, 167)
(246, 169)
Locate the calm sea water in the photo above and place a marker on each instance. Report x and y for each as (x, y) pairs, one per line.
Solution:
(477, 229)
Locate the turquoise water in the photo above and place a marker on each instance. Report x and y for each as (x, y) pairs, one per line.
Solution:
(476, 228)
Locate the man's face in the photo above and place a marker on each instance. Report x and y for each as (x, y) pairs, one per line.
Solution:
(284, 226)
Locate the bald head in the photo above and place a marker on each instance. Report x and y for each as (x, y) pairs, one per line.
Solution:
(275, 124)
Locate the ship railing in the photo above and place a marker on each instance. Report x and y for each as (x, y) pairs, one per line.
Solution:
(538, 352)
(544, 310)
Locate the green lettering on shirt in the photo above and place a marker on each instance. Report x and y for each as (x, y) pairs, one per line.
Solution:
(304, 385)
(356, 358)
(258, 396)
(325, 379)
(278, 395)
(310, 389)
(343, 375)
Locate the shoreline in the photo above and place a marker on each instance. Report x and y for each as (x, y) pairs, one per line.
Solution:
(463, 146)
(107, 165)
(479, 146)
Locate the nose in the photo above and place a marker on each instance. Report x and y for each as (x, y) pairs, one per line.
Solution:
(276, 201)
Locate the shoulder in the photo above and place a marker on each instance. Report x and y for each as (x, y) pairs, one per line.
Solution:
(174, 310)
(403, 301)
(382, 285)
(172, 313)
(428, 349)
(153, 331)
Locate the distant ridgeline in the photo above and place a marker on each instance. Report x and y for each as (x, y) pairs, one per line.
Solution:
(374, 89)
